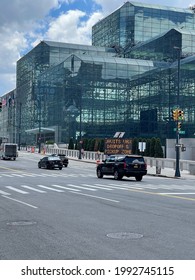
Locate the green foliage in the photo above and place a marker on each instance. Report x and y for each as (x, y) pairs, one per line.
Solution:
(158, 149)
(71, 144)
(147, 150)
(102, 143)
(49, 142)
(152, 147)
(76, 145)
(135, 146)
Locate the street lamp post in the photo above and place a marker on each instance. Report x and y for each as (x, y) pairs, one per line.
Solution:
(39, 121)
(177, 146)
(19, 126)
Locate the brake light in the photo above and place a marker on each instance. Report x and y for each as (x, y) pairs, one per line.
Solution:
(124, 165)
(145, 166)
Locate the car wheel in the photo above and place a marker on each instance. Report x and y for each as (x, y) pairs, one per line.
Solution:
(117, 176)
(39, 166)
(99, 173)
(138, 178)
(65, 165)
(60, 168)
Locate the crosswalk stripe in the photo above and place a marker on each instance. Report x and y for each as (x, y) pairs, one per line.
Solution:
(33, 189)
(7, 175)
(17, 175)
(65, 188)
(115, 186)
(29, 175)
(4, 193)
(16, 190)
(98, 187)
(76, 186)
(48, 188)
(50, 175)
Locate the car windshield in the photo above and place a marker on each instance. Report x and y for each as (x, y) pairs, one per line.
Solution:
(54, 158)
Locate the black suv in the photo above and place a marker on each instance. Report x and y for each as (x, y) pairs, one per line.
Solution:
(123, 165)
(63, 158)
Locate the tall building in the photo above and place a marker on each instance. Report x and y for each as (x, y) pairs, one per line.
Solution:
(136, 22)
(140, 67)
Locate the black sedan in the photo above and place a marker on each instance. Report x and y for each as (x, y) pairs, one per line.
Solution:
(50, 163)
(63, 158)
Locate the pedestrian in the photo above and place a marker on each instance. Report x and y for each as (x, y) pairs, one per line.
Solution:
(98, 155)
(82, 153)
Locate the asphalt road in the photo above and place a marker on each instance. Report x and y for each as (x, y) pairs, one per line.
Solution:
(73, 215)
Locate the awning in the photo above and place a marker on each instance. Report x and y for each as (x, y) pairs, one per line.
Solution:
(41, 129)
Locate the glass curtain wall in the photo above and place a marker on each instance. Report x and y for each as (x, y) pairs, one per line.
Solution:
(135, 22)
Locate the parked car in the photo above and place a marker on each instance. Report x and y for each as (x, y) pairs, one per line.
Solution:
(50, 162)
(63, 158)
(123, 165)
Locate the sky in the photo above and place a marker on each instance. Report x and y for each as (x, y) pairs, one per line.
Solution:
(24, 23)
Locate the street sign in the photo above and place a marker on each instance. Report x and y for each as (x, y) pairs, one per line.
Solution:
(179, 131)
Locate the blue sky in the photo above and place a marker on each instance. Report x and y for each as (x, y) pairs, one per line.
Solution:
(24, 23)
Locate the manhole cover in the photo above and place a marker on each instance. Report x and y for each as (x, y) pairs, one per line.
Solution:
(21, 223)
(124, 235)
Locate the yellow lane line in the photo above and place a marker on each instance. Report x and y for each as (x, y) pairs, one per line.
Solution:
(160, 194)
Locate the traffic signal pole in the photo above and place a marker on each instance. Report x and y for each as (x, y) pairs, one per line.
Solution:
(177, 149)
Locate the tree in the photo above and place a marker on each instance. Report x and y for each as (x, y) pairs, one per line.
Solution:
(152, 147)
(71, 144)
(147, 150)
(158, 149)
(135, 146)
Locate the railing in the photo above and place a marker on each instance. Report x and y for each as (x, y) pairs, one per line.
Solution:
(160, 163)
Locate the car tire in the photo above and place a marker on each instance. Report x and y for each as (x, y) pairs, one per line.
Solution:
(65, 165)
(39, 166)
(138, 178)
(60, 168)
(99, 173)
(117, 175)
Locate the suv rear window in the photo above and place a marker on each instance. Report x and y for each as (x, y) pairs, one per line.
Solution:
(131, 159)
(134, 160)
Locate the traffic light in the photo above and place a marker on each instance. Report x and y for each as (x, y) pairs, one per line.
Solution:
(179, 126)
(175, 114)
(0, 106)
(180, 115)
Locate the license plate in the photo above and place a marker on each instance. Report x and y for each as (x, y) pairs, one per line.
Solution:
(55, 165)
(135, 166)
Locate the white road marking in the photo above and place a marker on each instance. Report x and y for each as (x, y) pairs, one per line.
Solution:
(178, 193)
(33, 189)
(94, 196)
(20, 201)
(76, 186)
(15, 189)
(48, 188)
(4, 193)
(65, 188)
(98, 187)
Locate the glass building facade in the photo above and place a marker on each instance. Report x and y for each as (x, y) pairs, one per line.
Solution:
(136, 22)
(67, 91)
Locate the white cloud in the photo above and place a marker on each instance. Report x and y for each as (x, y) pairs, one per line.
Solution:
(18, 18)
(23, 23)
(70, 27)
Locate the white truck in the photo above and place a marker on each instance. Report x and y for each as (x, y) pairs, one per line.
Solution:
(8, 151)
